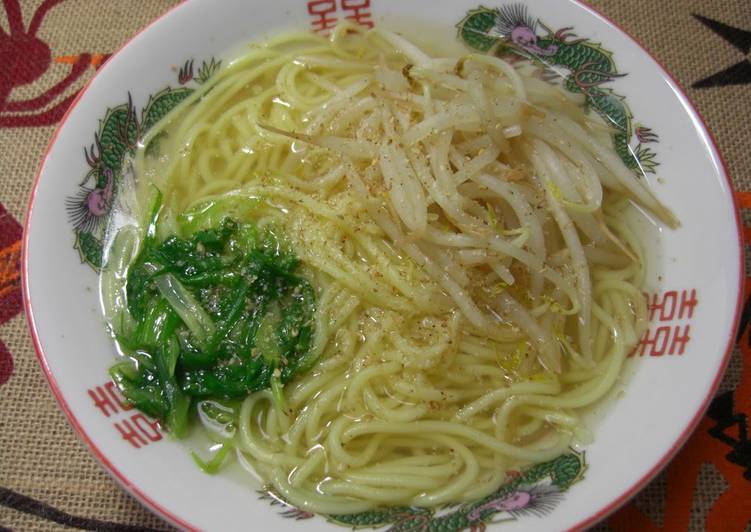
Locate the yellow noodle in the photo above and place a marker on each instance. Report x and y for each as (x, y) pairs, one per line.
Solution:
(476, 278)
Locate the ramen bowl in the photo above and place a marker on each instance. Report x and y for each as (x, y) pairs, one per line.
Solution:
(694, 272)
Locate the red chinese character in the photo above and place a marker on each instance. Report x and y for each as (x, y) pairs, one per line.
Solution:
(103, 401)
(653, 345)
(666, 339)
(322, 9)
(657, 306)
(687, 304)
(667, 308)
(129, 434)
(148, 428)
(360, 11)
(115, 394)
(680, 339)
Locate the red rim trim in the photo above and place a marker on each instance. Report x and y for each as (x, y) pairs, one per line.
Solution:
(586, 523)
(619, 501)
(129, 486)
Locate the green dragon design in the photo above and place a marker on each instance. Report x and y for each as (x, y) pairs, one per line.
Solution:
(535, 491)
(118, 135)
(583, 65)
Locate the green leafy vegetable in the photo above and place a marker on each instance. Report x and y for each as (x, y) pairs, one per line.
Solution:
(218, 314)
(215, 463)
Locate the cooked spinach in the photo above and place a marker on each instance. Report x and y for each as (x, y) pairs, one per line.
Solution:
(218, 314)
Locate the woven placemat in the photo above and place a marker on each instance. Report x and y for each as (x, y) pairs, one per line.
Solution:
(47, 478)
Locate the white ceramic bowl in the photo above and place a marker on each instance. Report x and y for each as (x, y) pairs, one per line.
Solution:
(696, 271)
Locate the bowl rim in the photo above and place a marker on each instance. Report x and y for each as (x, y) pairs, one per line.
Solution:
(591, 520)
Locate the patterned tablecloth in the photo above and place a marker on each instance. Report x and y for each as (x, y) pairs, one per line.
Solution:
(49, 48)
